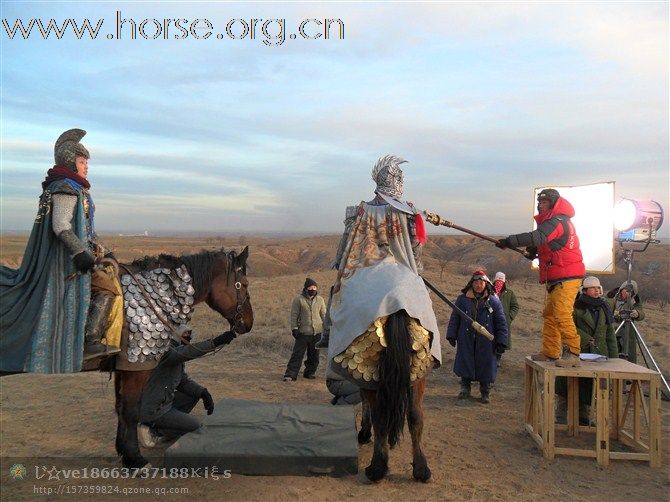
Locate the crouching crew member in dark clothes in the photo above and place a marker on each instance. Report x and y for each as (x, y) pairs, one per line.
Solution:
(170, 395)
(475, 354)
(343, 391)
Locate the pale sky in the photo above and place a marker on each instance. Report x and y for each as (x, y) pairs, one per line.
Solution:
(485, 100)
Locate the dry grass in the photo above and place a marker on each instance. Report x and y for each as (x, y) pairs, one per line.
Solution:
(278, 268)
(476, 452)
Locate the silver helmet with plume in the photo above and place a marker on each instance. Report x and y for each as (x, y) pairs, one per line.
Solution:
(388, 176)
(67, 148)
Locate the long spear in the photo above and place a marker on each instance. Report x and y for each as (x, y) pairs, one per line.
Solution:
(475, 325)
(437, 220)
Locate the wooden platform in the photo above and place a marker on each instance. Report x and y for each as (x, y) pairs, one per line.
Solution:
(611, 415)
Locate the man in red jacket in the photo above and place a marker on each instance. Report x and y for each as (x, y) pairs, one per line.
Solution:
(556, 244)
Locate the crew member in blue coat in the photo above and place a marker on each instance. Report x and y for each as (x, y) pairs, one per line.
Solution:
(475, 354)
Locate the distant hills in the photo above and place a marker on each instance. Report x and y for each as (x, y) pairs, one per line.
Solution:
(443, 254)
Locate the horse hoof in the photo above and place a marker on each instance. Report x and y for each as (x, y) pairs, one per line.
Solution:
(376, 473)
(421, 472)
(364, 437)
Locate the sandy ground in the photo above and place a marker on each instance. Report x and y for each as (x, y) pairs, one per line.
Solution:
(476, 451)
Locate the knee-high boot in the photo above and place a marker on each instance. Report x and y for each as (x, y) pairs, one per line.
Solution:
(96, 325)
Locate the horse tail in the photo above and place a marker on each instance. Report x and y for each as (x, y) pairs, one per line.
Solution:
(394, 378)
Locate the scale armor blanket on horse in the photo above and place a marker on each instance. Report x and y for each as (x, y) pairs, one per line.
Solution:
(378, 277)
(169, 292)
(361, 359)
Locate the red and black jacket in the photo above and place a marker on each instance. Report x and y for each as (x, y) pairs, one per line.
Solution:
(556, 242)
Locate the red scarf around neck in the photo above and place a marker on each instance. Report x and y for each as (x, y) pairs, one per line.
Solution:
(60, 172)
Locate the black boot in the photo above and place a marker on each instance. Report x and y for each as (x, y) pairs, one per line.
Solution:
(96, 325)
(465, 389)
(485, 390)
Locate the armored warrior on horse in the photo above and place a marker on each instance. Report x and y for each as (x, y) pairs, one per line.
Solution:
(384, 335)
(71, 306)
(63, 303)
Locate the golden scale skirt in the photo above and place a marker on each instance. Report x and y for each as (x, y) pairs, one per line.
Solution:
(361, 358)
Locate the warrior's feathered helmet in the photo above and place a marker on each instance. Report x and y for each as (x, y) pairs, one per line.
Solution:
(67, 148)
(388, 176)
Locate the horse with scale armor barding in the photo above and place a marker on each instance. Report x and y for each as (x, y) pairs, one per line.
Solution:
(164, 290)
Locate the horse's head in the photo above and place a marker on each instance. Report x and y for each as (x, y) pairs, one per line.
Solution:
(229, 293)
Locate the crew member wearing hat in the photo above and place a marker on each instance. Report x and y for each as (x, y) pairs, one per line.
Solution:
(556, 244)
(509, 303)
(308, 310)
(593, 319)
(625, 303)
(475, 354)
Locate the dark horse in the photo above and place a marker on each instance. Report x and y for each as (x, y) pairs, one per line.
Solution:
(219, 279)
(397, 398)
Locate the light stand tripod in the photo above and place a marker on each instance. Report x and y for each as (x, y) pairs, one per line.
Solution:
(628, 324)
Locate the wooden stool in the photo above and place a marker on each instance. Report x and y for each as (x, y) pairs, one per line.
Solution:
(540, 380)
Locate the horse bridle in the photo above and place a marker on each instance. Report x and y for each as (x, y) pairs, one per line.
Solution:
(238, 322)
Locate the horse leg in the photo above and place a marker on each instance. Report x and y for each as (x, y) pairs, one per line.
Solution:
(121, 424)
(379, 465)
(420, 469)
(130, 394)
(365, 433)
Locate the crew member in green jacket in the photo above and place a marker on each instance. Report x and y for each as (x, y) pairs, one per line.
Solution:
(593, 319)
(510, 306)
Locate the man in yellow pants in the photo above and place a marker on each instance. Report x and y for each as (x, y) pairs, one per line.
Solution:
(556, 244)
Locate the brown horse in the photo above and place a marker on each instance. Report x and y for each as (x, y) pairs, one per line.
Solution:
(219, 279)
(397, 398)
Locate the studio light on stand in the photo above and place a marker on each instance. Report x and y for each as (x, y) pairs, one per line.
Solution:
(637, 223)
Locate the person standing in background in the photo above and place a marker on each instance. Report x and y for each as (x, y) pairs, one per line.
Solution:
(510, 306)
(308, 311)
